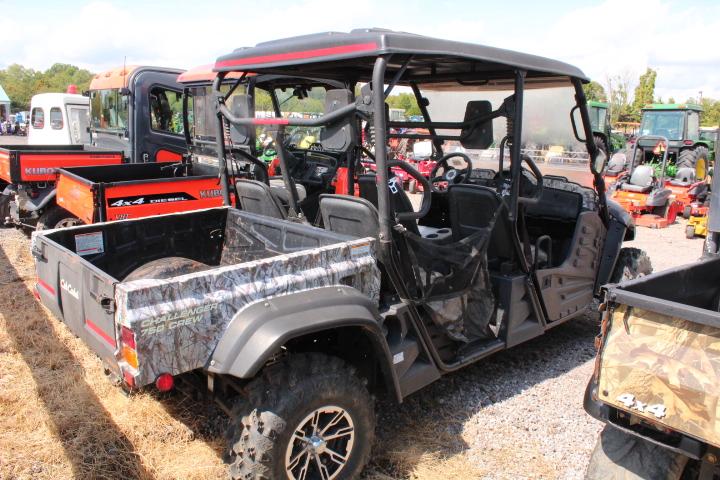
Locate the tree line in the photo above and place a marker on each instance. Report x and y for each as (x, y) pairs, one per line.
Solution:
(624, 108)
(22, 83)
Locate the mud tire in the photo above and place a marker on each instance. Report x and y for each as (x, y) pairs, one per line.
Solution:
(687, 211)
(690, 231)
(631, 263)
(602, 145)
(167, 267)
(264, 422)
(4, 209)
(621, 456)
(57, 217)
(412, 186)
(689, 157)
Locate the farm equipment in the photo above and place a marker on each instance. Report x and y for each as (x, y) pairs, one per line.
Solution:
(697, 222)
(679, 124)
(602, 130)
(290, 328)
(644, 194)
(656, 384)
(133, 118)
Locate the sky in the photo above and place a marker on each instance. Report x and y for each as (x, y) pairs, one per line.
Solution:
(605, 38)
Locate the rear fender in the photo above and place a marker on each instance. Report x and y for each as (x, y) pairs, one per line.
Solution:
(258, 331)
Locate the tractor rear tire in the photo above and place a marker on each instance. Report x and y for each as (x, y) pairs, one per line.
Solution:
(167, 267)
(600, 144)
(695, 158)
(631, 263)
(690, 231)
(621, 456)
(57, 217)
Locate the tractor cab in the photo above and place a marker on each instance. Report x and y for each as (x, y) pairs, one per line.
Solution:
(138, 110)
(485, 258)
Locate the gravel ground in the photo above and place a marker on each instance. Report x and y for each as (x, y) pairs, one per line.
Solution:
(515, 415)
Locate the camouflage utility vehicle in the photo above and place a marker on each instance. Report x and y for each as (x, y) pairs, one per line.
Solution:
(657, 376)
(293, 329)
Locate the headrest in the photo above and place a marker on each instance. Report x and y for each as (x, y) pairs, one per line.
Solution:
(686, 175)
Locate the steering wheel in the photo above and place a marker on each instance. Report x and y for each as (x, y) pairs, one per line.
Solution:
(427, 190)
(451, 175)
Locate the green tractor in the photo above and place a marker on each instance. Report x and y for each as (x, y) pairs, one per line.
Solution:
(680, 124)
(600, 121)
(711, 136)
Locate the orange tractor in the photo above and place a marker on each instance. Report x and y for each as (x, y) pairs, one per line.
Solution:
(644, 192)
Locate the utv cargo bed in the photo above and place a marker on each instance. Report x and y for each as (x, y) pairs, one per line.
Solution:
(38, 163)
(120, 192)
(661, 357)
(173, 325)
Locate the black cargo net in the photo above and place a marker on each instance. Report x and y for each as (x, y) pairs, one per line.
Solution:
(454, 283)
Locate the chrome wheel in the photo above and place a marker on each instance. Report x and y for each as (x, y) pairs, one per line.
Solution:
(320, 445)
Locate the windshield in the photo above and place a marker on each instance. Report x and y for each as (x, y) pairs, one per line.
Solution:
(664, 123)
(301, 102)
(108, 110)
(598, 117)
(708, 135)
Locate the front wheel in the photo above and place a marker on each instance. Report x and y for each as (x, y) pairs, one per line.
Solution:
(307, 417)
(57, 217)
(621, 456)
(631, 263)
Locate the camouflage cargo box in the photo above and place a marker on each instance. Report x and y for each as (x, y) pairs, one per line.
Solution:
(660, 359)
(176, 323)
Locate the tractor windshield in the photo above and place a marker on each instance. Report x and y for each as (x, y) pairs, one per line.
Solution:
(668, 124)
(598, 118)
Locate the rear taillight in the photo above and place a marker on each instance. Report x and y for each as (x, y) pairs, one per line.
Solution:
(687, 142)
(164, 382)
(129, 354)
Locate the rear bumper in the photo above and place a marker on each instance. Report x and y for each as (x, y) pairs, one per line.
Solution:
(675, 441)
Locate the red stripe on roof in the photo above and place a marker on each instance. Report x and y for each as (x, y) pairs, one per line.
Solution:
(47, 287)
(100, 332)
(278, 57)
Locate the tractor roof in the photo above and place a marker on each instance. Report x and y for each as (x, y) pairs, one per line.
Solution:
(352, 56)
(597, 104)
(120, 77)
(673, 106)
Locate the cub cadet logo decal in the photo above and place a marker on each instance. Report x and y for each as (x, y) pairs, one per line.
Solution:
(628, 399)
(171, 321)
(39, 171)
(65, 285)
(210, 193)
(150, 199)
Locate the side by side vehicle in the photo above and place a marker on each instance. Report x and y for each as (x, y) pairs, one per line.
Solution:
(294, 328)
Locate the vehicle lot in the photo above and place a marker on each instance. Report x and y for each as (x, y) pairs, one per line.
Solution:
(516, 415)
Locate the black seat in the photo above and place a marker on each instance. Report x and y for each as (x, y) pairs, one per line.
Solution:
(348, 215)
(471, 207)
(256, 197)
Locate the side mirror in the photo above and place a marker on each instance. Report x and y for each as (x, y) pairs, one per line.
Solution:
(598, 164)
(478, 135)
(575, 120)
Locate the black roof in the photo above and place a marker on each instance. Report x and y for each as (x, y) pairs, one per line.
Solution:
(351, 55)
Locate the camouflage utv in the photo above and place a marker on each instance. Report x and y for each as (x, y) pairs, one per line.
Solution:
(293, 321)
(657, 375)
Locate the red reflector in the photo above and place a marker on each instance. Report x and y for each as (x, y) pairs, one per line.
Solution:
(164, 382)
(128, 337)
(688, 142)
(129, 379)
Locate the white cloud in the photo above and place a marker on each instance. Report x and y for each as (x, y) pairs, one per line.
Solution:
(613, 37)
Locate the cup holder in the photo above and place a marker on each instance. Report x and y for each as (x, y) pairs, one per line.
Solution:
(432, 235)
(443, 231)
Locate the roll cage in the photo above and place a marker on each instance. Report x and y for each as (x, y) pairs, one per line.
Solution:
(391, 59)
